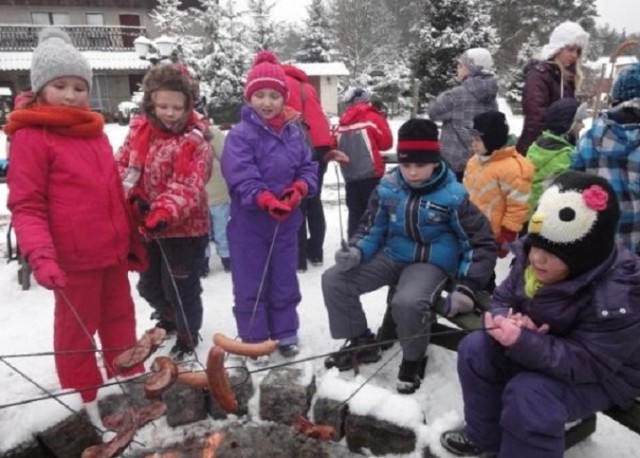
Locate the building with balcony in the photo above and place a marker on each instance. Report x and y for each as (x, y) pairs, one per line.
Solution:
(104, 30)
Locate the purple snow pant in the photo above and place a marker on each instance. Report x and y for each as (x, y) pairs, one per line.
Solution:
(269, 312)
(518, 412)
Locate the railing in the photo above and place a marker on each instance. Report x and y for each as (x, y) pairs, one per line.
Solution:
(84, 37)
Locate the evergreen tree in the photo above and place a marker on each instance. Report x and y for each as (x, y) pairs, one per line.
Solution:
(448, 28)
(262, 34)
(288, 41)
(317, 45)
(169, 19)
(407, 15)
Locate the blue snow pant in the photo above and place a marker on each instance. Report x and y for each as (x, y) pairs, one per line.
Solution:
(418, 286)
(266, 310)
(515, 411)
(219, 216)
(184, 257)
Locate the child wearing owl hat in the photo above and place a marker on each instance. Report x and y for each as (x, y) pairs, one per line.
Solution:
(269, 170)
(561, 337)
(70, 218)
(611, 149)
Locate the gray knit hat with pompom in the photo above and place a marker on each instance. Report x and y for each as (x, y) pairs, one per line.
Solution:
(56, 57)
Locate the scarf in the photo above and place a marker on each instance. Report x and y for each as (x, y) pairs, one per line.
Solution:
(143, 131)
(67, 121)
(531, 283)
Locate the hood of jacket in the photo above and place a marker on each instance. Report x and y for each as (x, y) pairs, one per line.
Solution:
(483, 86)
(619, 125)
(295, 72)
(356, 112)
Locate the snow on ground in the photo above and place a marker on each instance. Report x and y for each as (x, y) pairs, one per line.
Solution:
(27, 324)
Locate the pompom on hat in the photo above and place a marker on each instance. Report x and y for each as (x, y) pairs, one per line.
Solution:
(477, 60)
(566, 34)
(266, 73)
(418, 142)
(55, 57)
(492, 128)
(576, 220)
(627, 85)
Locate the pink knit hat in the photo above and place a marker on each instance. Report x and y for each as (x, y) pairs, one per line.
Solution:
(266, 73)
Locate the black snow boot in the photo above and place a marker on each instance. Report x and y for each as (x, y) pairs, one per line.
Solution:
(410, 375)
(226, 264)
(459, 444)
(184, 347)
(350, 354)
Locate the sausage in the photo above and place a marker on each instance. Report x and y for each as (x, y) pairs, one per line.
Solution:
(237, 347)
(148, 413)
(139, 352)
(193, 379)
(165, 373)
(309, 429)
(219, 381)
(126, 431)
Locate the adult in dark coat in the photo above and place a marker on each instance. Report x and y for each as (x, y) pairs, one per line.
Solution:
(554, 77)
(304, 99)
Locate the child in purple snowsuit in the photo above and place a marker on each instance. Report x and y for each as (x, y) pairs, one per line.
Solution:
(561, 337)
(268, 168)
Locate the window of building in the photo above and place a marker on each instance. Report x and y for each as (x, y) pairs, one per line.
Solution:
(95, 19)
(100, 93)
(47, 18)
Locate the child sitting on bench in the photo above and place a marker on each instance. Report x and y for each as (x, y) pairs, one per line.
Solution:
(424, 231)
(561, 338)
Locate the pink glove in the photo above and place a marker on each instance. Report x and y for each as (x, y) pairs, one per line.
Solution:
(294, 194)
(504, 330)
(338, 156)
(278, 210)
(48, 273)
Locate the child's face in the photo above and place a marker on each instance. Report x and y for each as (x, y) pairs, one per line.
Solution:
(67, 91)
(477, 146)
(416, 174)
(547, 267)
(267, 102)
(168, 106)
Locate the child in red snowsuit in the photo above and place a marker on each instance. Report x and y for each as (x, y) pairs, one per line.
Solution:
(68, 210)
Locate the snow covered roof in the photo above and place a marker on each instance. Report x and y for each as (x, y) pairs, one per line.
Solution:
(323, 68)
(99, 60)
(621, 62)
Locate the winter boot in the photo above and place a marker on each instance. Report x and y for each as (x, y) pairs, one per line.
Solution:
(459, 444)
(289, 351)
(164, 323)
(184, 347)
(204, 269)
(350, 354)
(226, 264)
(410, 375)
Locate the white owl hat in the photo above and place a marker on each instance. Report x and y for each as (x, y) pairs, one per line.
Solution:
(576, 219)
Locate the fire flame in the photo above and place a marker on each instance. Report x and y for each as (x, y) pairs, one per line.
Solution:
(212, 443)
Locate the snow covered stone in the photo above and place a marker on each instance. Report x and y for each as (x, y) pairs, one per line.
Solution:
(30, 449)
(286, 392)
(70, 437)
(184, 405)
(331, 413)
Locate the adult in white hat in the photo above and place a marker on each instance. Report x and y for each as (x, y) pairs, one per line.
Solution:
(555, 76)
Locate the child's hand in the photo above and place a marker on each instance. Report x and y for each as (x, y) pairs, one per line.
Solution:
(48, 273)
(338, 156)
(348, 259)
(504, 330)
(294, 194)
(157, 221)
(524, 321)
(278, 210)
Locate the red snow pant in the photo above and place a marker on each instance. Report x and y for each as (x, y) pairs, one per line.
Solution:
(101, 300)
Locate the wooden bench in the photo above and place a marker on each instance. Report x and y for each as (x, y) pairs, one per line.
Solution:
(448, 332)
